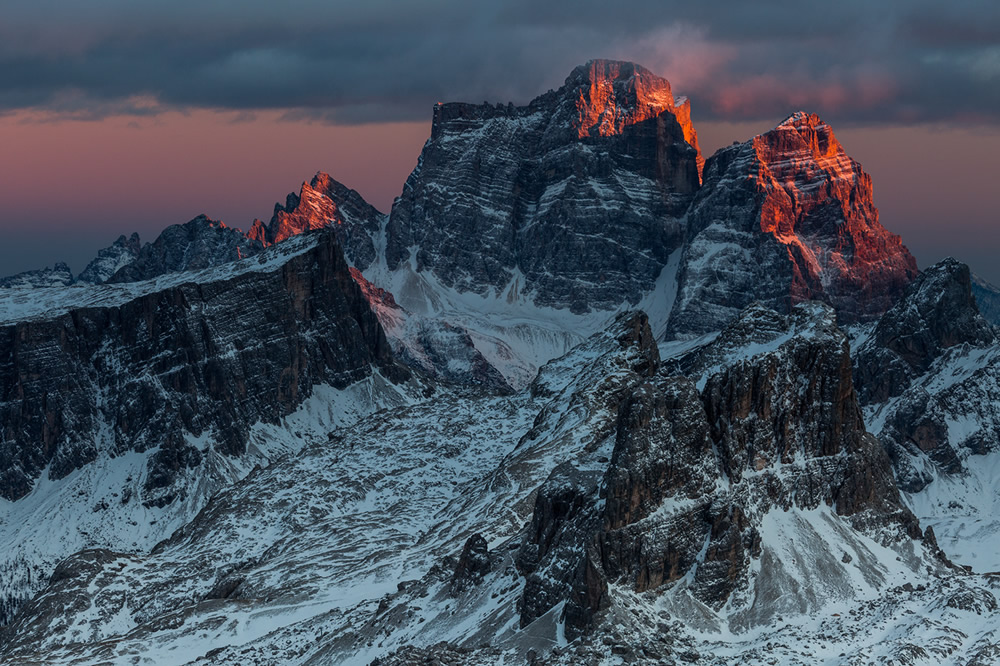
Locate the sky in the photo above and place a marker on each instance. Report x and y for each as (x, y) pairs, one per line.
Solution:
(118, 116)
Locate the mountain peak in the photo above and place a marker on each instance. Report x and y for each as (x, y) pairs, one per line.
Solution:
(614, 71)
(803, 133)
(203, 220)
(610, 94)
(937, 312)
(812, 213)
(801, 119)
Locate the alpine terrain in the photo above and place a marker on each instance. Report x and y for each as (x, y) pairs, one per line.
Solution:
(583, 396)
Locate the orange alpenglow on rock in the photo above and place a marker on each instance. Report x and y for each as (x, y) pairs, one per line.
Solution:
(793, 201)
(614, 94)
(320, 203)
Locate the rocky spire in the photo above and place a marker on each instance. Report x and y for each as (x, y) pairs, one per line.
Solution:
(325, 202)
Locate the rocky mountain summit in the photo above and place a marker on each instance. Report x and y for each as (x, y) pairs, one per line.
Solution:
(580, 397)
(200, 243)
(320, 203)
(59, 275)
(111, 259)
(783, 218)
(575, 198)
(937, 312)
(585, 201)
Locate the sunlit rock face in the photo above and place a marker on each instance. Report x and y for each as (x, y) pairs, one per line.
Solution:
(324, 202)
(576, 198)
(612, 95)
(784, 218)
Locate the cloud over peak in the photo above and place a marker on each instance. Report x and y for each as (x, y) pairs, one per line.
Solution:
(892, 62)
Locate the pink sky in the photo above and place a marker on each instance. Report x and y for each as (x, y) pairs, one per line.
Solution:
(68, 188)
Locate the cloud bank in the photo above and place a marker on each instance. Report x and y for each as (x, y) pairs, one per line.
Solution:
(896, 61)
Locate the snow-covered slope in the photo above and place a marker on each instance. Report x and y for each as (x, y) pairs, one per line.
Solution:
(511, 331)
(929, 373)
(360, 510)
(422, 524)
(58, 276)
(101, 504)
(125, 407)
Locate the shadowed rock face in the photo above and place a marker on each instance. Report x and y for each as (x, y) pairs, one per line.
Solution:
(693, 473)
(769, 410)
(784, 218)
(111, 259)
(200, 243)
(987, 298)
(577, 195)
(213, 357)
(58, 276)
(663, 449)
(937, 312)
(933, 359)
(473, 564)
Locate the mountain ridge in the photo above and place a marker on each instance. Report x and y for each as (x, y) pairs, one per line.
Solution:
(579, 397)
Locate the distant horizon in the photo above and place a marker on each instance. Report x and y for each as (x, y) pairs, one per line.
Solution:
(233, 189)
(119, 117)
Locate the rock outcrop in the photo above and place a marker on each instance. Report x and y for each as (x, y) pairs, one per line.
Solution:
(111, 259)
(930, 376)
(784, 218)
(937, 312)
(200, 243)
(149, 371)
(324, 202)
(694, 474)
(575, 198)
(473, 564)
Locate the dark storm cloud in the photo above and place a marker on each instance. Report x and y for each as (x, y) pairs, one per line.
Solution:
(381, 60)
